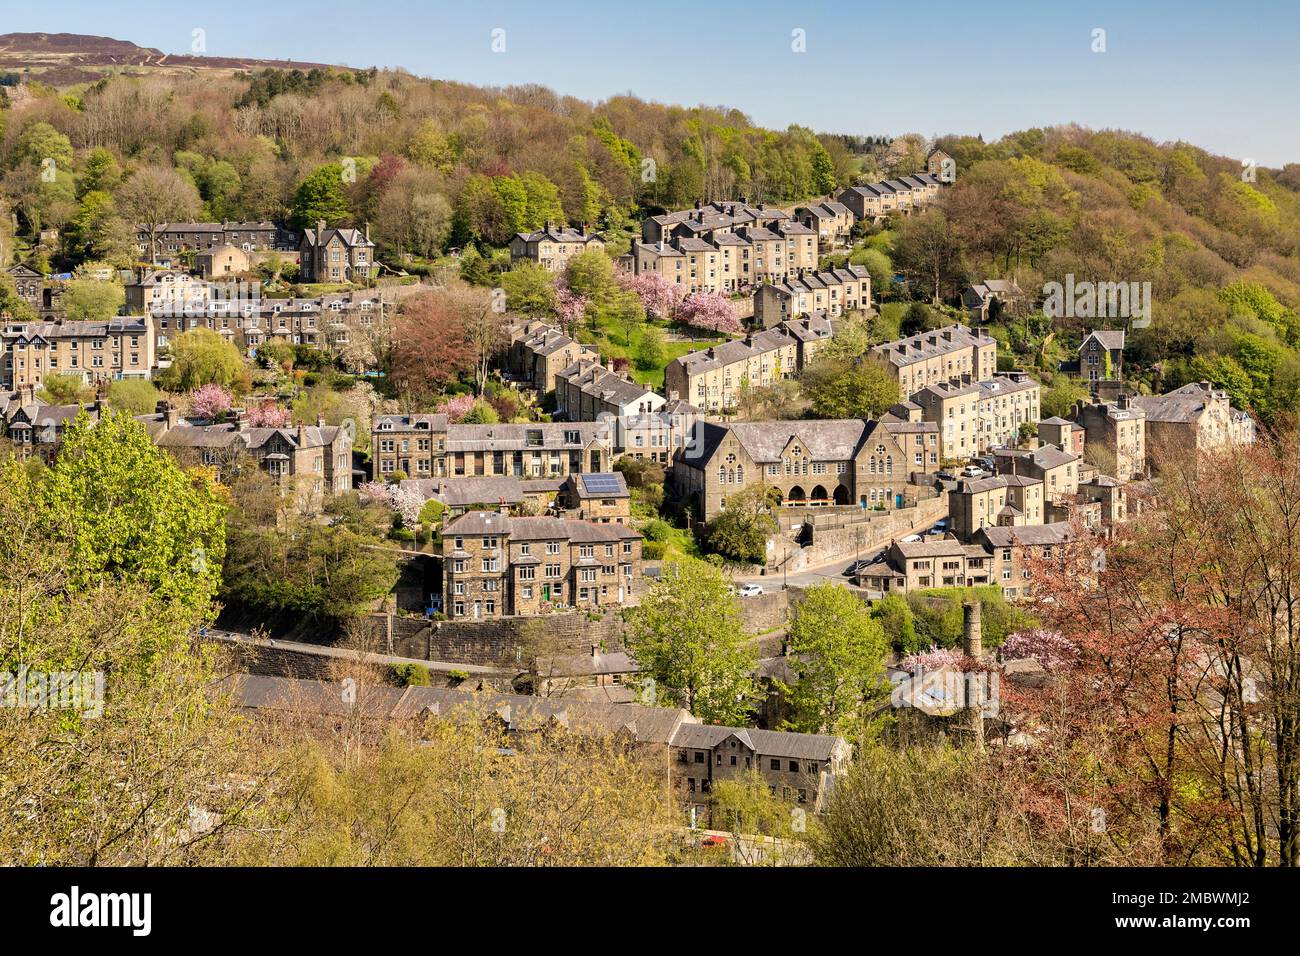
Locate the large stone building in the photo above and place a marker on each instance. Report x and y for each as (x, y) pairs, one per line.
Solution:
(1195, 418)
(1011, 501)
(539, 352)
(999, 556)
(1007, 403)
(1114, 436)
(176, 237)
(426, 446)
(831, 220)
(891, 197)
(809, 463)
(310, 461)
(1058, 470)
(498, 566)
(944, 355)
(552, 246)
(95, 352)
(336, 255)
(831, 292)
(955, 408)
(711, 378)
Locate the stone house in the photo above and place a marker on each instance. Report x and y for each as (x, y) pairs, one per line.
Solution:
(539, 352)
(944, 355)
(336, 255)
(552, 246)
(1011, 501)
(497, 566)
(311, 461)
(831, 291)
(601, 498)
(1115, 436)
(28, 284)
(809, 463)
(95, 352)
(711, 378)
(426, 446)
(1194, 418)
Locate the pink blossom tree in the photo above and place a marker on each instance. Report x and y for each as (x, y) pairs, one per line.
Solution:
(210, 401)
(933, 659)
(709, 310)
(569, 307)
(659, 296)
(267, 415)
(1050, 648)
(404, 501)
(457, 407)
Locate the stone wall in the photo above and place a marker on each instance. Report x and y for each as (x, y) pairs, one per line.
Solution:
(840, 533)
(499, 641)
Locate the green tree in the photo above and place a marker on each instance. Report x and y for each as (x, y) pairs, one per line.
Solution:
(836, 650)
(742, 530)
(896, 620)
(201, 357)
(171, 540)
(321, 196)
(65, 389)
(92, 300)
(840, 387)
(688, 639)
(651, 349)
(591, 274)
(133, 396)
(529, 289)
(1059, 398)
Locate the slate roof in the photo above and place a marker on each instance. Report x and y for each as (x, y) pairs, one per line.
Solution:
(507, 437)
(1035, 534)
(926, 345)
(536, 528)
(735, 350)
(1109, 338)
(1181, 405)
(674, 727)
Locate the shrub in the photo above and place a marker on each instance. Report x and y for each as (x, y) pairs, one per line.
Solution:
(412, 675)
(653, 550)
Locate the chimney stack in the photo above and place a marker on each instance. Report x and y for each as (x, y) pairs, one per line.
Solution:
(972, 642)
(977, 685)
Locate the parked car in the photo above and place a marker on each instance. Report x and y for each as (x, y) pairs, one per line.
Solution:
(973, 471)
(911, 539)
(946, 476)
(751, 590)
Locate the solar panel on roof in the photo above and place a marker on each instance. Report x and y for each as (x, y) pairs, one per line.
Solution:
(600, 484)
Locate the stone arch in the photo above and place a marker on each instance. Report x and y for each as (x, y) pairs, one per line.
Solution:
(841, 495)
(796, 496)
(819, 494)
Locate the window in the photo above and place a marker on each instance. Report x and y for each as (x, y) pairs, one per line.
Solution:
(776, 764)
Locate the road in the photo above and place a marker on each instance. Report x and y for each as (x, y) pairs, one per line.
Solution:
(833, 571)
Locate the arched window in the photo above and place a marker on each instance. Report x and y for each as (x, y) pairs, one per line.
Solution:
(740, 474)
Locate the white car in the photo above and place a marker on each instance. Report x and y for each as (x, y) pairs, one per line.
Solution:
(972, 471)
(751, 590)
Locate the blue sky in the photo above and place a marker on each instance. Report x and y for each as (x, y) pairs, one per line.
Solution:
(1221, 74)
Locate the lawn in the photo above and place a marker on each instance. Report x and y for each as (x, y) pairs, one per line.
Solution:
(608, 337)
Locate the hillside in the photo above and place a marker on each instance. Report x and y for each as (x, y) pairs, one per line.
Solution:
(62, 59)
(435, 165)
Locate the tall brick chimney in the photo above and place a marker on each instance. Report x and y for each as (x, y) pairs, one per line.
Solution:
(972, 645)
